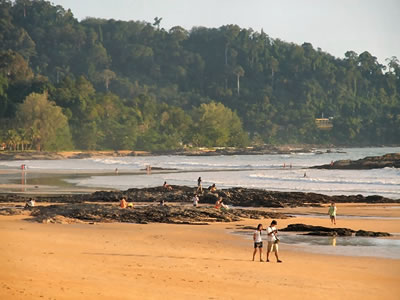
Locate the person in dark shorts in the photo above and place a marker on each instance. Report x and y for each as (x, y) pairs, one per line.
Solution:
(258, 241)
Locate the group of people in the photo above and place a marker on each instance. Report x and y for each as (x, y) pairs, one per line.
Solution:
(272, 239)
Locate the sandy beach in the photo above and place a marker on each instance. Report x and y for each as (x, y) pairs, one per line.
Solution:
(163, 261)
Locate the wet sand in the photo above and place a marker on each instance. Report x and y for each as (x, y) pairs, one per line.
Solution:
(162, 261)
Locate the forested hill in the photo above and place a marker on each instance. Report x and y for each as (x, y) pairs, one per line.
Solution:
(107, 84)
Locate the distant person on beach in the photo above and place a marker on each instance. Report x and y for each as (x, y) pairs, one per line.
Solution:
(148, 169)
(195, 200)
(199, 187)
(273, 241)
(167, 186)
(116, 171)
(220, 205)
(130, 204)
(332, 213)
(212, 188)
(305, 175)
(123, 203)
(258, 241)
(30, 203)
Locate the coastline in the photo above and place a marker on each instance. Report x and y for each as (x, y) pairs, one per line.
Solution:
(214, 151)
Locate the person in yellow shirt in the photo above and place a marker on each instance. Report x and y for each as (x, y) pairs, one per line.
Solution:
(332, 213)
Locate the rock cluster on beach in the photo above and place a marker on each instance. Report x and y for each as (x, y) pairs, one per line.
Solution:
(329, 231)
(241, 197)
(144, 214)
(391, 160)
(234, 196)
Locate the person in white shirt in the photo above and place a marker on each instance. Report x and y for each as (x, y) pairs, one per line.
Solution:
(258, 241)
(273, 241)
(31, 203)
(195, 200)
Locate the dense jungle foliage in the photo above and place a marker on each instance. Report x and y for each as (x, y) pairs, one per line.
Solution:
(107, 84)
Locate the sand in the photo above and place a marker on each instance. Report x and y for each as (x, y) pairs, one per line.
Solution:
(162, 261)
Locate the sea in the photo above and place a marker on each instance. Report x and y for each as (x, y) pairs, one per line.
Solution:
(277, 172)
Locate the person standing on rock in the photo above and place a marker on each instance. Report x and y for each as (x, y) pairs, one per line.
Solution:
(273, 241)
(258, 241)
(199, 187)
(332, 213)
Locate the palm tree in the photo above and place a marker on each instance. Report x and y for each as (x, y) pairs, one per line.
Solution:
(12, 139)
(157, 22)
(24, 138)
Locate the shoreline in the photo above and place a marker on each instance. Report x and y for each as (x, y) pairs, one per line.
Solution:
(214, 151)
(120, 261)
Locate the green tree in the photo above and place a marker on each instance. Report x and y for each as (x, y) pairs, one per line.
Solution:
(46, 119)
(217, 125)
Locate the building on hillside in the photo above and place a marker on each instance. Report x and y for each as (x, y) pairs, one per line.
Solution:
(324, 123)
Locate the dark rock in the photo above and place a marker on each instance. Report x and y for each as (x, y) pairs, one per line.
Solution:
(327, 231)
(145, 214)
(391, 160)
(234, 196)
(371, 233)
(318, 230)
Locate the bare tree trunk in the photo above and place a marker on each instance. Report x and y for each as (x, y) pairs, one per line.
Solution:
(238, 84)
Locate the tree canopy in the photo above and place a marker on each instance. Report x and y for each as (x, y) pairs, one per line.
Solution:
(135, 85)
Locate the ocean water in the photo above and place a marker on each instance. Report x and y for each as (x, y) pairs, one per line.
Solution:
(342, 245)
(250, 171)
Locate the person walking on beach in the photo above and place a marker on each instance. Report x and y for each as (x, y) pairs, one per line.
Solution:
(199, 187)
(258, 241)
(332, 213)
(273, 241)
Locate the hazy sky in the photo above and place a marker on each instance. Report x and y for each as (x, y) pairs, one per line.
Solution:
(335, 26)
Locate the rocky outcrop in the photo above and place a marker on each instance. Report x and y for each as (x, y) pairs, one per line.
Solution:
(372, 233)
(233, 196)
(145, 214)
(328, 231)
(391, 160)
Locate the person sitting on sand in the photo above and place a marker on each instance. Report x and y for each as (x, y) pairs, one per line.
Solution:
(332, 213)
(258, 241)
(167, 186)
(220, 205)
(122, 203)
(212, 188)
(273, 241)
(30, 203)
(195, 200)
